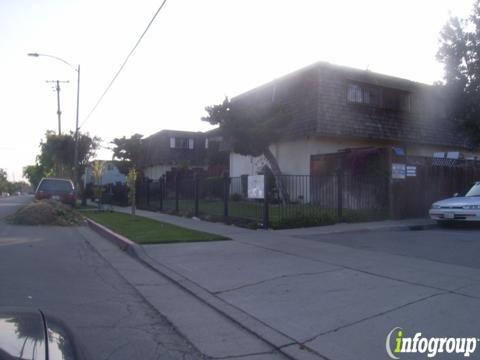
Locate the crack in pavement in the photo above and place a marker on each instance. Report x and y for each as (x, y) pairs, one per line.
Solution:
(350, 268)
(244, 355)
(275, 278)
(373, 316)
(163, 322)
(181, 284)
(306, 348)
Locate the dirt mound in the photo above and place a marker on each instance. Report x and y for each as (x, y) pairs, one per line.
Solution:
(46, 212)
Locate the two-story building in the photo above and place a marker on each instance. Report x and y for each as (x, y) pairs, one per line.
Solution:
(333, 108)
(173, 149)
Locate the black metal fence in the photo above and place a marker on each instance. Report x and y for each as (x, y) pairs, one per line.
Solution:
(309, 200)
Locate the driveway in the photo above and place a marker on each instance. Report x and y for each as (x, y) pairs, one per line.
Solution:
(338, 296)
(459, 245)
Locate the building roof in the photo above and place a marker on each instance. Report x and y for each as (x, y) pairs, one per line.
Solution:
(316, 98)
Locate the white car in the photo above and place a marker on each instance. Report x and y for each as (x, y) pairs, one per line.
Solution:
(462, 208)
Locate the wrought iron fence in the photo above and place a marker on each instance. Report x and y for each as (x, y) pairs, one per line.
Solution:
(307, 200)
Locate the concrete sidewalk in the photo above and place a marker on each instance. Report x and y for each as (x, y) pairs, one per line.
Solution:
(317, 300)
(232, 231)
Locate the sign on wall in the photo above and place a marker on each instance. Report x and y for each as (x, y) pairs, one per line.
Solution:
(411, 171)
(398, 171)
(256, 185)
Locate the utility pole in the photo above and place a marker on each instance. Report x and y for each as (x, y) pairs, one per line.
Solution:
(59, 112)
(75, 150)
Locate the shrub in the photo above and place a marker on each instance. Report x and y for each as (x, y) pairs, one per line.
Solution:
(351, 216)
(299, 220)
(236, 197)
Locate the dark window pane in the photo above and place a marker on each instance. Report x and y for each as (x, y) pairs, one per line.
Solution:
(55, 185)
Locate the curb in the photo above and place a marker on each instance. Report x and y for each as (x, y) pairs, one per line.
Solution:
(422, 227)
(285, 345)
(122, 242)
(365, 230)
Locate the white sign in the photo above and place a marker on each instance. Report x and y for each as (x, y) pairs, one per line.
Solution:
(256, 184)
(411, 171)
(398, 171)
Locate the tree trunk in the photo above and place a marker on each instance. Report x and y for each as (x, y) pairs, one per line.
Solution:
(82, 191)
(134, 205)
(277, 174)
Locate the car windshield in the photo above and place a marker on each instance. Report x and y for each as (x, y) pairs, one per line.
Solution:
(474, 191)
(55, 185)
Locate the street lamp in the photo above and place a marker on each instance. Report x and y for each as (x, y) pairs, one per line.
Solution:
(77, 69)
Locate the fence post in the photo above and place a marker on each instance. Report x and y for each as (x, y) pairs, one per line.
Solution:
(265, 202)
(339, 194)
(177, 192)
(195, 192)
(161, 185)
(147, 191)
(226, 193)
(390, 193)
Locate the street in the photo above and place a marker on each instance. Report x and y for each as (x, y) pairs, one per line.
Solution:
(54, 269)
(8, 205)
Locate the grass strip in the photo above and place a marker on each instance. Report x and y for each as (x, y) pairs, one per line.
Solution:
(147, 231)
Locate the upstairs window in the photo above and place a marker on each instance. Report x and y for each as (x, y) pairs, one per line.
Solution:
(355, 94)
(396, 100)
(362, 94)
(392, 99)
(181, 143)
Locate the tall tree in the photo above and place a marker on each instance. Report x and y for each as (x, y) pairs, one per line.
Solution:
(56, 156)
(3, 181)
(460, 53)
(33, 173)
(128, 151)
(250, 130)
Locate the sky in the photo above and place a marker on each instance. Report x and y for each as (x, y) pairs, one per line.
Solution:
(195, 54)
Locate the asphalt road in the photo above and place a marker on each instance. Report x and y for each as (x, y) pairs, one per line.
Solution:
(56, 270)
(458, 245)
(9, 205)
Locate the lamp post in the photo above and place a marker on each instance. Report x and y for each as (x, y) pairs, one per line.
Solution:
(75, 151)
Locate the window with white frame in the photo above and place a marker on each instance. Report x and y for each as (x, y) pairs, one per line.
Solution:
(181, 143)
(362, 94)
(392, 99)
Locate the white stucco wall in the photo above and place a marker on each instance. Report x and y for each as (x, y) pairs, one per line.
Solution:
(294, 156)
(156, 171)
(294, 159)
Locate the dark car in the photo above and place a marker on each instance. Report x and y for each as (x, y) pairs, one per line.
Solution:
(56, 189)
(30, 334)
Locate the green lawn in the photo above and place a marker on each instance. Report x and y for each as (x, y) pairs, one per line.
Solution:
(147, 231)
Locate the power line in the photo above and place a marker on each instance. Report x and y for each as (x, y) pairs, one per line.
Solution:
(123, 64)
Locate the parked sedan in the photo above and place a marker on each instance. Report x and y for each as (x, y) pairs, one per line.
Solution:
(462, 208)
(56, 189)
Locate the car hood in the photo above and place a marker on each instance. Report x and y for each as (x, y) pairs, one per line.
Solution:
(22, 335)
(29, 334)
(459, 201)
